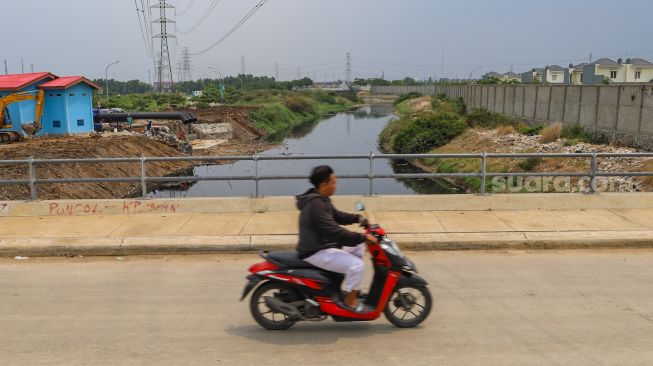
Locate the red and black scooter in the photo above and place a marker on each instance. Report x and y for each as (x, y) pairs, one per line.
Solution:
(289, 290)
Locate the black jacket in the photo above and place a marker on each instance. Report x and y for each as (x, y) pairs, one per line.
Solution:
(319, 225)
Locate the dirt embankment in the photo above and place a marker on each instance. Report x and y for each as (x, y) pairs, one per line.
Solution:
(96, 146)
(247, 141)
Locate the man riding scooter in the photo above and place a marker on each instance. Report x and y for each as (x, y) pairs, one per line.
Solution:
(323, 242)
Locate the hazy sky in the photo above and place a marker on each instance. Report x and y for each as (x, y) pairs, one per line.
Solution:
(397, 37)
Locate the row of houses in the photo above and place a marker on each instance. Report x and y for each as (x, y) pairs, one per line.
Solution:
(632, 70)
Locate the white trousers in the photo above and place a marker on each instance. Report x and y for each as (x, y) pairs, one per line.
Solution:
(348, 261)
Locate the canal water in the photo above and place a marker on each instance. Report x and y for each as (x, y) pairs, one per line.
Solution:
(354, 132)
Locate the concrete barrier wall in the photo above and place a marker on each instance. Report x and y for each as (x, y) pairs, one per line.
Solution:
(440, 202)
(622, 113)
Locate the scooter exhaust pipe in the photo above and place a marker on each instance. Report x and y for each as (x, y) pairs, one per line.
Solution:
(279, 306)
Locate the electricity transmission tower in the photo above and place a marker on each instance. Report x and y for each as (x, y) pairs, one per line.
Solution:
(164, 66)
(186, 66)
(348, 68)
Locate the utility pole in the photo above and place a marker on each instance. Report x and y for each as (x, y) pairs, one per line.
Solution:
(22, 66)
(164, 65)
(276, 71)
(314, 75)
(590, 57)
(6, 71)
(299, 73)
(382, 74)
(348, 68)
(31, 67)
(242, 65)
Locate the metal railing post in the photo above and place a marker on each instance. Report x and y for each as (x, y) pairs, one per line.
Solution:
(593, 173)
(32, 179)
(483, 171)
(371, 175)
(256, 175)
(143, 177)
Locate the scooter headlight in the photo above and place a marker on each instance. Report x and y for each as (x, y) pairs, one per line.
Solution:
(391, 247)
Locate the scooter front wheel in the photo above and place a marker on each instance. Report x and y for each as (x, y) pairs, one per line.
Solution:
(263, 315)
(408, 306)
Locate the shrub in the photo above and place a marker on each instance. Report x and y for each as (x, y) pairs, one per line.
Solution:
(300, 104)
(486, 119)
(530, 163)
(576, 132)
(530, 130)
(551, 133)
(506, 130)
(441, 103)
(324, 97)
(406, 97)
(424, 133)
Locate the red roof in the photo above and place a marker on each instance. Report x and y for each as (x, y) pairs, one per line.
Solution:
(66, 82)
(19, 81)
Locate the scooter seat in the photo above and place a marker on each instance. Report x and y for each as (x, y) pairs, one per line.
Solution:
(288, 259)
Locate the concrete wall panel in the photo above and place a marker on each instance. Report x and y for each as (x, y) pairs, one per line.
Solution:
(572, 104)
(608, 102)
(647, 121)
(530, 93)
(519, 101)
(557, 106)
(630, 98)
(543, 95)
(588, 106)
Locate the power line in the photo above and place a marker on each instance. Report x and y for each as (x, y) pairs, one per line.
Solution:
(190, 5)
(205, 16)
(238, 25)
(140, 25)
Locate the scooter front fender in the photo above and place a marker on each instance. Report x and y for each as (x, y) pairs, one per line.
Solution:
(410, 279)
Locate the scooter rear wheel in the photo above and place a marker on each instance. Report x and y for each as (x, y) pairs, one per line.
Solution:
(408, 306)
(263, 315)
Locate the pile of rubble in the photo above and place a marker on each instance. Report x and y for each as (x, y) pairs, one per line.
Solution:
(518, 143)
(165, 135)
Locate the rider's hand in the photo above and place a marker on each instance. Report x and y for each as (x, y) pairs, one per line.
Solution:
(372, 239)
(362, 220)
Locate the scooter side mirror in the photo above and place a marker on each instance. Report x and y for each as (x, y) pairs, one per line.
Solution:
(359, 206)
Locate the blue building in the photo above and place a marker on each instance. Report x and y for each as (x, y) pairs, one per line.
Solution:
(68, 104)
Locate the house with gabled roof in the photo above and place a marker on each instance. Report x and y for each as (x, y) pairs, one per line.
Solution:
(553, 74)
(19, 83)
(68, 103)
(602, 69)
(638, 70)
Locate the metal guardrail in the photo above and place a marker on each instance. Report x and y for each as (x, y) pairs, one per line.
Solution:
(483, 174)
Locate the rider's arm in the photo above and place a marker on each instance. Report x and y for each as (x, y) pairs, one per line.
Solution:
(329, 228)
(344, 218)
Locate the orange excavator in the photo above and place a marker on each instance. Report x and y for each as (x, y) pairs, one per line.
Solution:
(5, 119)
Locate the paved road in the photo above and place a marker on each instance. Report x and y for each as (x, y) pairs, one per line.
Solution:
(583, 307)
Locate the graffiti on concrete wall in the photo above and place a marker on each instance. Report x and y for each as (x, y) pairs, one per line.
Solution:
(125, 207)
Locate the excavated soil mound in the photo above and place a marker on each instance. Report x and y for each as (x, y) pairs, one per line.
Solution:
(77, 147)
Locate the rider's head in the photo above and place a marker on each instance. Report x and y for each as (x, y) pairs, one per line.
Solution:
(324, 180)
